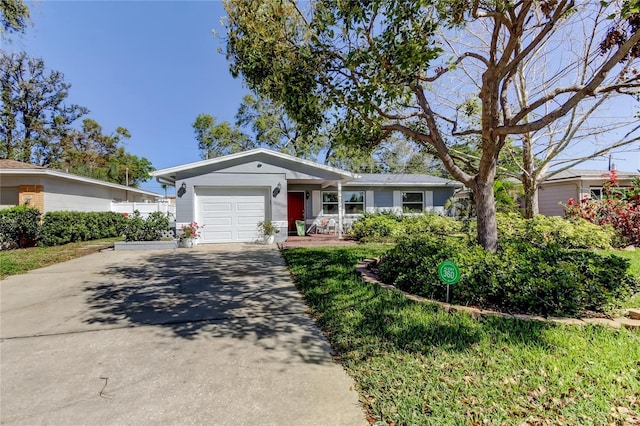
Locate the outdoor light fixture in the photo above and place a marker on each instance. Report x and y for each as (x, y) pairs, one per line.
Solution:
(276, 190)
(182, 190)
(307, 195)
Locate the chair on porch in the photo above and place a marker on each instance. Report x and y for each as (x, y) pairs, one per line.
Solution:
(332, 225)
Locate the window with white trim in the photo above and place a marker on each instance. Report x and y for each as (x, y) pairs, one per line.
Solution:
(353, 202)
(330, 202)
(412, 202)
(595, 193)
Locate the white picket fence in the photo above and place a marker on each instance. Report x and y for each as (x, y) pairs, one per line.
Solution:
(144, 208)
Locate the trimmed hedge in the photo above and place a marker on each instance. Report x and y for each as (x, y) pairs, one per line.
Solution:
(519, 278)
(68, 226)
(388, 227)
(19, 225)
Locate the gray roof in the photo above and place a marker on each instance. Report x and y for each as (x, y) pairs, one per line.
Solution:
(388, 179)
(593, 174)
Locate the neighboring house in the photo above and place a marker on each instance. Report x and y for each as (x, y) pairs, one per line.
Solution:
(54, 190)
(229, 195)
(576, 184)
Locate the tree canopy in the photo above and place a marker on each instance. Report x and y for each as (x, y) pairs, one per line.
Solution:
(37, 126)
(434, 71)
(14, 15)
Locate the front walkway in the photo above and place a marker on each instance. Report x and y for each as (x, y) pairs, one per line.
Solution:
(213, 335)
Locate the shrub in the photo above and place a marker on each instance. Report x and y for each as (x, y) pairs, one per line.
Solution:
(64, 227)
(619, 208)
(520, 277)
(431, 224)
(548, 230)
(19, 225)
(377, 227)
(138, 229)
(388, 227)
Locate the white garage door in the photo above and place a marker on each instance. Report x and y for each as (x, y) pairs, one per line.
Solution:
(230, 215)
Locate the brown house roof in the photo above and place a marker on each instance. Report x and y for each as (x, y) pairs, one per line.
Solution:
(13, 164)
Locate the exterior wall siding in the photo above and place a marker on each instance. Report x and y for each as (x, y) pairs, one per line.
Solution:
(552, 194)
(65, 195)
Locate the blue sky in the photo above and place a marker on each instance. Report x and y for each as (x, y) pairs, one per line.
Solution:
(152, 67)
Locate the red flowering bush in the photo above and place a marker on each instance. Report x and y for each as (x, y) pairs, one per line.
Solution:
(619, 208)
(192, 230)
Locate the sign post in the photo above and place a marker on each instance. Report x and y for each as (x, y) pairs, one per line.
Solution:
(449, 274)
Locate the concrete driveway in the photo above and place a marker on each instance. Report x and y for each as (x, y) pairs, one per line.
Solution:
(212, 335)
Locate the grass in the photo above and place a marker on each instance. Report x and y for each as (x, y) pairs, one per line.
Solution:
(416, 364)
(14, 262)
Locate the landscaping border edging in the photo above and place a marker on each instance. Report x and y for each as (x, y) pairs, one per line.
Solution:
(145, 245)
(363, 268)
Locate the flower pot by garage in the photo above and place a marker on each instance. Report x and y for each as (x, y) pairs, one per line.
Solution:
(188, 242)
(270, 239)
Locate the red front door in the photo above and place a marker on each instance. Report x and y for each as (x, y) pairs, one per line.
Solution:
(295, 208)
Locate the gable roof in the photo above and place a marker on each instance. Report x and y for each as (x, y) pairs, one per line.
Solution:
(169, 173)
(588, 174)
(388, 179)
(17, 168)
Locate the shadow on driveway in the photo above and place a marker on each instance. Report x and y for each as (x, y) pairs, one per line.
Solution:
(197, 293)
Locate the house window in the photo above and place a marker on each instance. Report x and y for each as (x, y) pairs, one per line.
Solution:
(330, 202)
(595, 193)
(412, 202)
(353, 202)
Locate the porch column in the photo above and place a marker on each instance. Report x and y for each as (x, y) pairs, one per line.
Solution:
(340, 209)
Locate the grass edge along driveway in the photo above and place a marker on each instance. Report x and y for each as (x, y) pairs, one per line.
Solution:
(19, 261)
(416, 364)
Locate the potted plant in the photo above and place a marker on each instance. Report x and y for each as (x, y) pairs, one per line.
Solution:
(268, 230)
(189, 234)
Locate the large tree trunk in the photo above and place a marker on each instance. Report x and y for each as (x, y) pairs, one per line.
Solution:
(530, 196)
(486, 215)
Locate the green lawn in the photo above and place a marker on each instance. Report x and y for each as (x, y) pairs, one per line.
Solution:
(13, 262)
(416, 364)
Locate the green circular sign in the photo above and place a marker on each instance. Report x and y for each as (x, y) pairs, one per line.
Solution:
(449, 272)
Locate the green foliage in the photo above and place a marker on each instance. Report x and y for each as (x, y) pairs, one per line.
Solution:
(150, 229)
(388, 226)
(551, 230)
(19, 225)
(89, 152)
(64, 227)
(215, 140)
(377, 227)
(25, 134)
(14, 15)
(520, 277)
